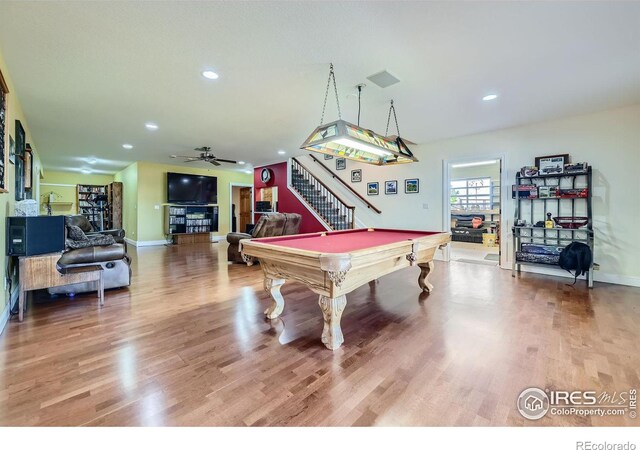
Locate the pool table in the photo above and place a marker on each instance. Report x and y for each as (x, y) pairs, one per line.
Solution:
(334, 263)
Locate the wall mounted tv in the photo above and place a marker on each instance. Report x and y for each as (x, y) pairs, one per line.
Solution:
(191, 189)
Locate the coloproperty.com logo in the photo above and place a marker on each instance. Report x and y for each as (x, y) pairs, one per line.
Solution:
(535, 403)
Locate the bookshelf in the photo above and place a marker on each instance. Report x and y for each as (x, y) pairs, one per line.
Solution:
(100, 204)
(190, 223)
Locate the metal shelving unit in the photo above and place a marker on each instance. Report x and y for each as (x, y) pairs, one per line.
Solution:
(534, 210)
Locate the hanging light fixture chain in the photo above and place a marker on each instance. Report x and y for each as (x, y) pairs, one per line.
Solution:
(395, 118)
(326, 94)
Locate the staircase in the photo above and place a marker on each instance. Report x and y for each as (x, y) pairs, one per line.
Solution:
(320, 198)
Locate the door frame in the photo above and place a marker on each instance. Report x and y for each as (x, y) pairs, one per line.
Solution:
(446, 199)
(253, 193)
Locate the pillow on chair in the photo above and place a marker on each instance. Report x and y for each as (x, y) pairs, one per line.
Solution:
(77, 239)
(74, 233)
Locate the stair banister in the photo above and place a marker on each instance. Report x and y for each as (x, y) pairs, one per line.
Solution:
(341, 181)
(332, 202)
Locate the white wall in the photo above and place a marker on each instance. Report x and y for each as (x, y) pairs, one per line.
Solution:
(609, 141)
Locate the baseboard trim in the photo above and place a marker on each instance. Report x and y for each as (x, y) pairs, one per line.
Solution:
(600, 277)
(4, 318)
(214, 238)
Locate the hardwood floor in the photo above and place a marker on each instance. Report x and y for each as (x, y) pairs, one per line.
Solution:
(187, 344)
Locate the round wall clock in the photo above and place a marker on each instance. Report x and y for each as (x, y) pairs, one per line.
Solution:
(265, 175)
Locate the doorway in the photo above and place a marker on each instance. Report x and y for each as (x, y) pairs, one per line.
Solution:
(241, 207)
(473, 209)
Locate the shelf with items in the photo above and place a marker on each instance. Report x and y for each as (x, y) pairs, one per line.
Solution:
(551, 210)
(181, 219)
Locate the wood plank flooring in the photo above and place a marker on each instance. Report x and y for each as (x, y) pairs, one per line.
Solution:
(187, 344)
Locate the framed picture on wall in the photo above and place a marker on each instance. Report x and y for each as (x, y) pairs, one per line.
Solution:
(411, 186)
(373, 188)
(356, 176)
(391, 187)
(4, 131)
(12, 150)
(551, 164)
(28, 166)
(328, 156)
(341, 163)
(20, 150)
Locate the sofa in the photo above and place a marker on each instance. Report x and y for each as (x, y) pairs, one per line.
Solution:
(113, 258)
(463, 229)
(269, 225)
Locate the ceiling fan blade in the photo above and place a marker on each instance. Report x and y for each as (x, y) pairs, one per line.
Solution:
(184, 156)
(226, 160)
(192, 159)
(214, 162)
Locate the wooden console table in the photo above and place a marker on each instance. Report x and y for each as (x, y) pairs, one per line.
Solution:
(40, 272)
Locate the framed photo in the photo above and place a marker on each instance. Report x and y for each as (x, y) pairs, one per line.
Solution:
(4, 131)
(328, 156)
(373, 188)
(391, 187)
(12, 150)
(341, 163)
(356, 176)
(411, 186)
(21, 144)
(28, 166)
(553, 164)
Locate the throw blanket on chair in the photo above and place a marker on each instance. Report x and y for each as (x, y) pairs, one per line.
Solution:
(77, 239)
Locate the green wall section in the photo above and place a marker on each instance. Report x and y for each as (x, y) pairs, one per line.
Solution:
(64, 184)
(129, 179)
(7, 200)
(144, 211)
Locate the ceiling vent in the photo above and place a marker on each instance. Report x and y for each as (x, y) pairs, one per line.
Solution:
(383, 79)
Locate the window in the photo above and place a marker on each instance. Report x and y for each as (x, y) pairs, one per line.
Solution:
(471, 193)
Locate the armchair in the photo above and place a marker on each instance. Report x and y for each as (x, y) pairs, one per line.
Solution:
(269, 225)
(83, 223)
(115, 261)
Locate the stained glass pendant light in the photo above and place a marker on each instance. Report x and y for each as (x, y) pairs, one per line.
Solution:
(346, 140)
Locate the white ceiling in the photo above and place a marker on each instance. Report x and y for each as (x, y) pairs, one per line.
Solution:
(89, 75)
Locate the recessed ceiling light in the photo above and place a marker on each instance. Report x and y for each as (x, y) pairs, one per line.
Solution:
(210, 74)
(489, 97)
(241, 162)
(87, 171)
(248, 171)
(151, 126)
(92, 161)
(281, 152)
(127, 146)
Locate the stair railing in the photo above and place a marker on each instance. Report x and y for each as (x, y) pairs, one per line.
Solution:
(327, 204)
(346, 185)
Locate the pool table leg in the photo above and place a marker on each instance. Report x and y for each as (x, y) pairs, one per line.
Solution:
(332, 312)
(272, 286)
(423, 279)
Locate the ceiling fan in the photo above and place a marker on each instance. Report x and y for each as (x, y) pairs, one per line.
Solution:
(206, 156)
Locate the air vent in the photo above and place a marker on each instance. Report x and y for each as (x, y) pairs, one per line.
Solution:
(383, 79)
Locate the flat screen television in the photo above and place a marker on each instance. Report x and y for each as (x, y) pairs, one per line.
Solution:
(191, 189)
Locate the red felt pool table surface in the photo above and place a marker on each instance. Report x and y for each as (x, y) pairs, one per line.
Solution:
(344, 241)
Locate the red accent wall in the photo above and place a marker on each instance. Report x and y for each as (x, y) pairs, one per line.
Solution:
(287, 202)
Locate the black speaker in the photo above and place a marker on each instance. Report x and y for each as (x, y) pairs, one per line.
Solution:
(34, 235)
